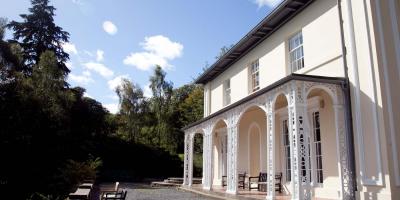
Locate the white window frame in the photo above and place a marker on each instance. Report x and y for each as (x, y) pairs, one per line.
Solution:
(287, 179)
(313, 105)
(296, 52)
(254, 75)
(314, 153)
(227, 92)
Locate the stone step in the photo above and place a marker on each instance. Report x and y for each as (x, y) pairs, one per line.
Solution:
(164, 184)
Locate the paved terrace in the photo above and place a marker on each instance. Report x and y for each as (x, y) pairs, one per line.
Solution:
(143, 191)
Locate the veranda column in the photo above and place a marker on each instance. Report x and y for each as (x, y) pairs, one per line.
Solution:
(186, 161)
(191, 140)
(203, 176)
(207, 152)
(347, 189)
(271, 149)
(232, 177)
(299, 142)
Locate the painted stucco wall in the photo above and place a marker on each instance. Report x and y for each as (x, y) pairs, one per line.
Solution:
(322, 54)
(372, 39)
(251, 122)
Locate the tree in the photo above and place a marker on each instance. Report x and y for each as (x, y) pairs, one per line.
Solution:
(223, 51)
(48, 81)
(10, 57)
(133, 107)
(38, 33)
(162, 92)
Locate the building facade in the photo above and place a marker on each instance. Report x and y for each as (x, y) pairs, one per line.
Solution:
(311, 93)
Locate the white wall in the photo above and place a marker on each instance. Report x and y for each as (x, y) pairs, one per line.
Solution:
(322, 51)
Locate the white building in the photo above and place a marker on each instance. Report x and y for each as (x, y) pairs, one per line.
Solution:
(307, 96)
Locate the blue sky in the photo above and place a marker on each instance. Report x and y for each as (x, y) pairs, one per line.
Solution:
(112, 39)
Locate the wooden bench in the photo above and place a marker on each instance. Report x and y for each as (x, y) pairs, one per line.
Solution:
(255, 182)
(260, 182)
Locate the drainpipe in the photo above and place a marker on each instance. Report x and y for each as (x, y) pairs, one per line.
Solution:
(347, 103)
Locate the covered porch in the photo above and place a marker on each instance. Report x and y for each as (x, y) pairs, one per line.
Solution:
(295, 129)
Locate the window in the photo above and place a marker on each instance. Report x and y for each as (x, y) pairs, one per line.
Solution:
(317, 146)
(286, 147)
(255, 76)
(296, 54)
(227, 92)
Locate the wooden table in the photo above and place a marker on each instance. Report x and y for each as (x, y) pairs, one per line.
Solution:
(80, 193)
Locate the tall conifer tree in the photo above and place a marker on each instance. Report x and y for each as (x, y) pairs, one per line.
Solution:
(38, 33)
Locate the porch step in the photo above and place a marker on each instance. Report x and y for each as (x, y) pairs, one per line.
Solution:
(164, 184)
(173, 182)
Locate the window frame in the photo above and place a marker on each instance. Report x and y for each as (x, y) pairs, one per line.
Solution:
(297, 63)
(254, 75)
(227, 92)
(317, 158)
(286, 147)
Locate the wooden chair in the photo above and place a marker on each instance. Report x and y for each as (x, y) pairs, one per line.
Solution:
(278, 182)
(110, 190)
(223, 181)
(256, 182)
(241, 180)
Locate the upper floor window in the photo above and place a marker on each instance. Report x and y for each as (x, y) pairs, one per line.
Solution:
(227, 92)
(296, 54)
(255, 76)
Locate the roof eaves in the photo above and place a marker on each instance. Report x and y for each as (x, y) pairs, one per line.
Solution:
(203, 78)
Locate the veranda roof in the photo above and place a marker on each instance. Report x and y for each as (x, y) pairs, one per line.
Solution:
(300, 77)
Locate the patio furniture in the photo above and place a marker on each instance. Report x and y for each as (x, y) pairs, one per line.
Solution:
(258, 182)
(223, 181)
(80, 193)
(109, 190)
(120, 195)
(278, 182)
(241, 180)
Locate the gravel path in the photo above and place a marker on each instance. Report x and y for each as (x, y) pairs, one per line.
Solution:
(145, 192)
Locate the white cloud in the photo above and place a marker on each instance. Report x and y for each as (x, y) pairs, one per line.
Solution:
(109, 27)
(269, 3)
(99, 55)
(88, 53)
(81, 79)
(159, 50)
(112, 107)
(69, 48)
(113, 97)
(145, 60)
(147, 91)
(99, 68)
(114, 83)
(162, 46)
(86, 73)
